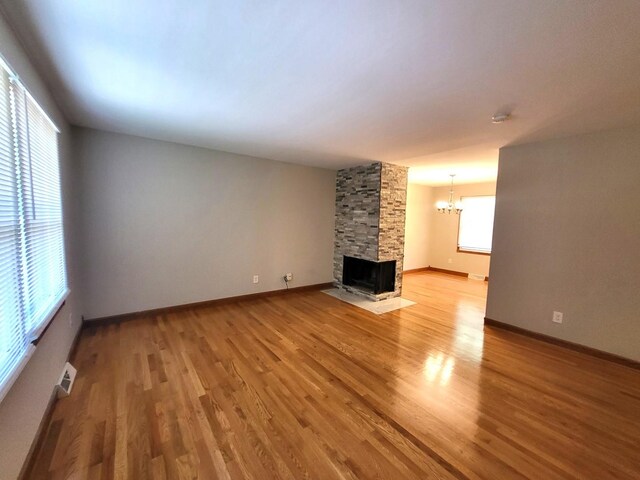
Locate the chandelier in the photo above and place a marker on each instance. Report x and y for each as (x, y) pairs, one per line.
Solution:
(448, 207)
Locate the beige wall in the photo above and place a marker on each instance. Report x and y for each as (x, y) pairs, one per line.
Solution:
(417, 226)
(22, 409)
(444, 232)
(167, 224)
(567, 238)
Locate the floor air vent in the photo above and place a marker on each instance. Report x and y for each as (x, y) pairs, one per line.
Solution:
(66, 380)
(475, 276)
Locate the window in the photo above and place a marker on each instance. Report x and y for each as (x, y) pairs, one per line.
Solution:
(476, 224)
(33, 281)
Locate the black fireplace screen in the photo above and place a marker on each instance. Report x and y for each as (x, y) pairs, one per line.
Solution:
(374, 277)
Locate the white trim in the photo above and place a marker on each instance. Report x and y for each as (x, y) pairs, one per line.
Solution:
(4, 64)
(463, 249)
(36, 333)
(11, 379)
(16, 78)
(17, 370)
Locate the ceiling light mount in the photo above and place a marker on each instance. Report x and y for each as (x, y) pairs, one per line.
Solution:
(500, 117)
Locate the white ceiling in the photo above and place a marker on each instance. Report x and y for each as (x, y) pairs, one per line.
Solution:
(334, 83)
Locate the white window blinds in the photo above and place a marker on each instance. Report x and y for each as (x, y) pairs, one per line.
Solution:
(476, 224)
(32, 267)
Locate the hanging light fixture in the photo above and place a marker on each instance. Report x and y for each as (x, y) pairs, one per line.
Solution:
(448, 207)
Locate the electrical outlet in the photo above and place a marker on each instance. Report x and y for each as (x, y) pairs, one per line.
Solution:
(256, 279)
(557, 317)
(288, 277)
(450, 260)
(71, 319)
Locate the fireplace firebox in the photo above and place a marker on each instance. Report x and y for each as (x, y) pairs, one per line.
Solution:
(373, 277)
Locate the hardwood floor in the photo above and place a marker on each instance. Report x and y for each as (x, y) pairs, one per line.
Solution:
(305, 386)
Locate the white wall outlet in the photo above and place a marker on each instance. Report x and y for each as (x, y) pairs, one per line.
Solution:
(288, 277)
(557, 317)
(256, 279)
(71, 319)
(450, 260)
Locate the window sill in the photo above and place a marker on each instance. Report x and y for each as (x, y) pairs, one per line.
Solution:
(39, 333)
(460, 250)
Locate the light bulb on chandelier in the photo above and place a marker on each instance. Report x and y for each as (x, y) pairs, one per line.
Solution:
(450, 206)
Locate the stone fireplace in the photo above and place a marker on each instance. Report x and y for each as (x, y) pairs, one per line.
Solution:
(369, 236)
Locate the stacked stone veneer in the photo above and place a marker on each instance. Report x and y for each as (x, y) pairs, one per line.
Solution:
(370, 215)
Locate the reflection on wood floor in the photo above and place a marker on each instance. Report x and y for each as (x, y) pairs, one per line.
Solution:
(305, 386)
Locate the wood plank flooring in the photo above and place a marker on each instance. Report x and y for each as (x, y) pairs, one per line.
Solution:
(305, 386)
